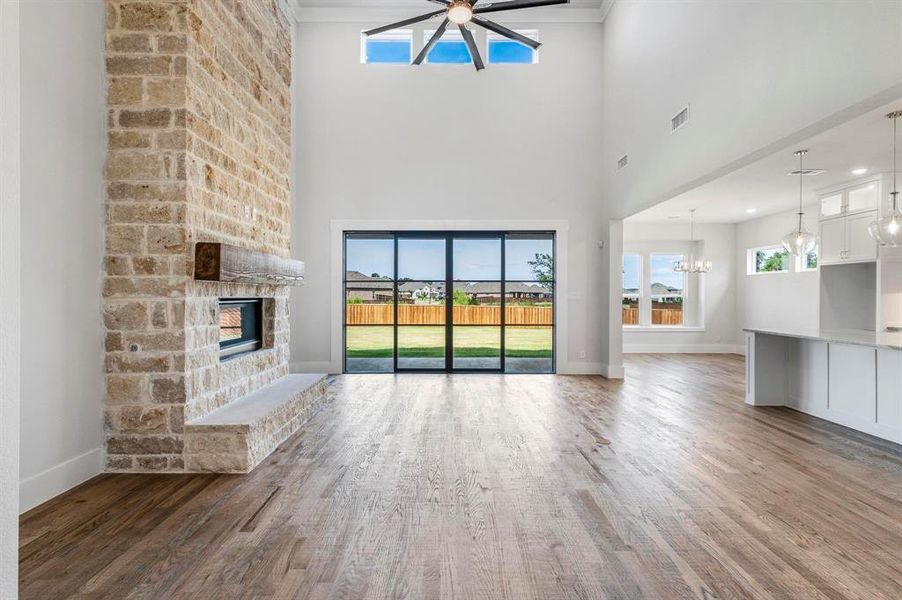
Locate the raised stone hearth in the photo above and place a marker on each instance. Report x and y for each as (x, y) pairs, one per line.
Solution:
(235, 438)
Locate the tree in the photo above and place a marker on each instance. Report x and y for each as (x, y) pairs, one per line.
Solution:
(375, 275)
(543, 268)
(462, 298)
(770, 263)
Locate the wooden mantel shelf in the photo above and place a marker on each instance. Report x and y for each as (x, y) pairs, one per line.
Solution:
(232, 264)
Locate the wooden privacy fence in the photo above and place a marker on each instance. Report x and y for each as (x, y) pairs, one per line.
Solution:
(659, 316)
(434, 314)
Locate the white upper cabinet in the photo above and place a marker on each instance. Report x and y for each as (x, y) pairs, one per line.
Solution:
(832, 205)
(832, 241)
(860, 246)
(846, 213)
(854, 198)
(864, 197)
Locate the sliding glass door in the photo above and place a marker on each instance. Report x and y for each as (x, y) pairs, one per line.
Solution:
(476, 316)
(449, 302)
(422, 337)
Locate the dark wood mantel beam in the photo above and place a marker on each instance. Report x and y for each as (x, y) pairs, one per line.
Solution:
(232, 264)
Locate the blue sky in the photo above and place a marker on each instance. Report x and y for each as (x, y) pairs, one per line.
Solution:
(424, 259)
(447, 51)
(631, 266)
(661, 270)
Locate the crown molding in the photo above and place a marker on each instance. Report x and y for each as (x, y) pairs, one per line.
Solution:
(381, 15)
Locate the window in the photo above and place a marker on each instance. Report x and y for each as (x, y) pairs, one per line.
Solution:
(390, 48)
(666, 290)
(773, 259)
(809, 263)
(505, 51)
(656, 296)
(449, 301)
(451, 49)
(632, 281)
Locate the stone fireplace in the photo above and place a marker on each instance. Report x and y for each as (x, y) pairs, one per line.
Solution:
(199, 151)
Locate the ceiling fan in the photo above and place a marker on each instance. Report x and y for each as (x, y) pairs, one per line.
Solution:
(461, 12)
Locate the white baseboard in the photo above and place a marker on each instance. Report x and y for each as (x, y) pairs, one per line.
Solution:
(612, 371)
(315, 367)
(52, 482)
(683, 349)
(580, 368)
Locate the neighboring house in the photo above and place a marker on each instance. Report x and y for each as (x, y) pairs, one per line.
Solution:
(368, 289)
(380, 289)
(514, 291)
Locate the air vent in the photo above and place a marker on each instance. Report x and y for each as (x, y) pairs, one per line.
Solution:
(680, 119)
(624, 160)
(806, 172)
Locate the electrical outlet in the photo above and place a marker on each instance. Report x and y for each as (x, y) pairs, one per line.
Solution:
(581, 354)
(247, 212)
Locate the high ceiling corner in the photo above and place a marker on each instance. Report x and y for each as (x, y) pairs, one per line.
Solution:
(368, 10)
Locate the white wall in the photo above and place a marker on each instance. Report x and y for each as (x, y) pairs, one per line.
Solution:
(9, 298)
(444, 143)
(774, 300)
(714, 290)
(63, 151)
(757, 75)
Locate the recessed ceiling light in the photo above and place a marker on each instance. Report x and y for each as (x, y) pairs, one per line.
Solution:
(673, 217)
(861, 171)
(750, 210)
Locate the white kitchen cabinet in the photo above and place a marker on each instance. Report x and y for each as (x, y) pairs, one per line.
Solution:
(832, 241)
(846, 239)
(832, 205)
(863, 196)
(860, 246)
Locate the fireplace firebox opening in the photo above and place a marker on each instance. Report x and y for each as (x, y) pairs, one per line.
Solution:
(240, 326)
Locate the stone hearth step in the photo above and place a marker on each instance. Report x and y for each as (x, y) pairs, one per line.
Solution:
(238, 436)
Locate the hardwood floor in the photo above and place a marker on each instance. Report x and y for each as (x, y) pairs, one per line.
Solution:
(486, 486)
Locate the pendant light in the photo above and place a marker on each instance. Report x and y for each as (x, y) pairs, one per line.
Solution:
(887, 230)
(693, 265)
(800, 242)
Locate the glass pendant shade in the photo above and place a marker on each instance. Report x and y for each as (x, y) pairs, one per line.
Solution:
(888, 229)
(800, 241)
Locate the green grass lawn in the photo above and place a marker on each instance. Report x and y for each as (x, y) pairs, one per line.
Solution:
(429, 342)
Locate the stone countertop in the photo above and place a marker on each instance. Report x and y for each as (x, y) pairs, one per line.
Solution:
(882, 339)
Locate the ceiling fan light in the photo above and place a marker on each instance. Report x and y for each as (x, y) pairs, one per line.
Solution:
(460, 12)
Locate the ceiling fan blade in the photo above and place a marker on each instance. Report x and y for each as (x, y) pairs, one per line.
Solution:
(436, 37)
(445, 2)
(516, 5)
(508, 33)
(471, 44)
(404, 23)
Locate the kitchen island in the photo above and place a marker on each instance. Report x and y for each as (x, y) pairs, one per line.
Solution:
(849, 377)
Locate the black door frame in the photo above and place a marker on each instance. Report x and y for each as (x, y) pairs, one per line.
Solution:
(449, 237)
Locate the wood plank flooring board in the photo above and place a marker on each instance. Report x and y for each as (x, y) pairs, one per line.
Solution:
(662, 486)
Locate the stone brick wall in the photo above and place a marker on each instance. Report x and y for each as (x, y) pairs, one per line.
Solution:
(199, 150)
